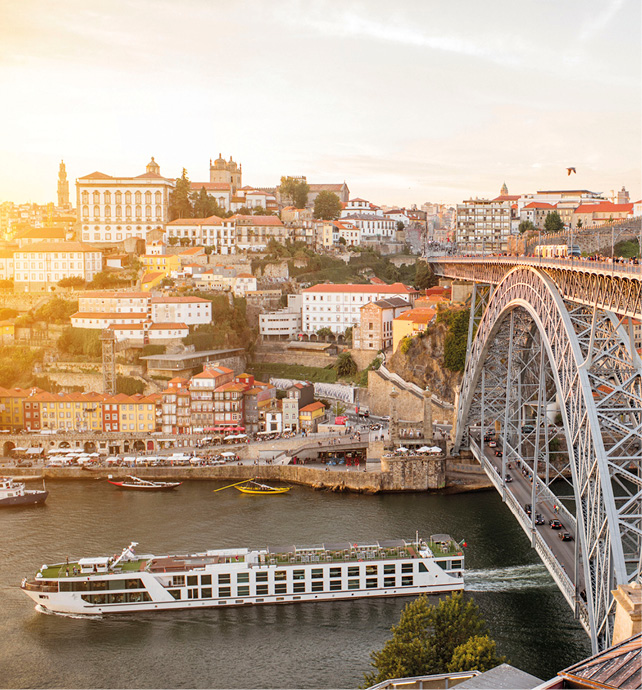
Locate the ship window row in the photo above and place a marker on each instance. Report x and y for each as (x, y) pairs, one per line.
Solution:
(122, 598)
(289, 588)
(100, 585)
(298, 574)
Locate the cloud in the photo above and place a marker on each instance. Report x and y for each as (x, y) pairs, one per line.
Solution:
(597, 22)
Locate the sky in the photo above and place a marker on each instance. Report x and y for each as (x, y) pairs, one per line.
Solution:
(407, 101)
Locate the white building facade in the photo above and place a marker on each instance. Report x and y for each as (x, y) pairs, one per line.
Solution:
(40, 266)
(112, 209)
(337, 307)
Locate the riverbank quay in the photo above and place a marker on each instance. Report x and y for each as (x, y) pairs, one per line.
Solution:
(369, 479)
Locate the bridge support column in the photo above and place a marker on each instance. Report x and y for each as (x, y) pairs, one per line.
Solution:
(428, 415)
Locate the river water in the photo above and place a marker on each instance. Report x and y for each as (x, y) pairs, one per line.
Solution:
(310, 645)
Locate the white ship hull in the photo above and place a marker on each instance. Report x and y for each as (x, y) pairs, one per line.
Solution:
(240, 577)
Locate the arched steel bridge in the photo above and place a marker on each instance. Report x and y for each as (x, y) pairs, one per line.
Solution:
(553, 375)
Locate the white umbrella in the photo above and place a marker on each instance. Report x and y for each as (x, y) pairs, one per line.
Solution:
(402, 449)
(435, 449)
(424, 449)
(228, 454)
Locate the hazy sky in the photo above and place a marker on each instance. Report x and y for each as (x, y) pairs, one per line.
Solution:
(407, 101)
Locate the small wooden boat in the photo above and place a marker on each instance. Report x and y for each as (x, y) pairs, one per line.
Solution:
(253, 487)
(138, 484)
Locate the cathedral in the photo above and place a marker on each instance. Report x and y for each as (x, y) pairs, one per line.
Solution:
(227, 172)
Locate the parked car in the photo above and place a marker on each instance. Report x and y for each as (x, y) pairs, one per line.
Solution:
(539, 519)
(565, 536)
(555, 524)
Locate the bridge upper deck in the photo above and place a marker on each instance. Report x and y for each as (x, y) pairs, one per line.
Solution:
(612, 286)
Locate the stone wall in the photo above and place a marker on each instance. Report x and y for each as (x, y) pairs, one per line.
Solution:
(414, 473)
(363, 357)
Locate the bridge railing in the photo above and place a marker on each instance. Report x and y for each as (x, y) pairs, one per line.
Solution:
(613, 268)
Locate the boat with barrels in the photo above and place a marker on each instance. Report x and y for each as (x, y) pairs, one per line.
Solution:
(247, 576)
(137, 484)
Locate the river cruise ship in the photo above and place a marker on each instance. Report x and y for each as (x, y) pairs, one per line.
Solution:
(242, 576)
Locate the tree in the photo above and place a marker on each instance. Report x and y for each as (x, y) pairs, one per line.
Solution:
(478, 653)
(400, 225)
(180, 205)
(392, 273)
(295, 191)
(205, 205)
(245, 211)
(342, 240)
(327, 206)
(129, 385)
(325, 332)
(348, 335)
(424, 276)
(72, 282)
(338, 408)
(345, 365)
(407, 653)
(553, 222)
(456, 340)
(56, 310)
(579, 223)
(526, 226)
(434, 639)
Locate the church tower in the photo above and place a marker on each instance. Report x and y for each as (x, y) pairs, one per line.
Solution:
(504, 190)
(153, 167)
(227, 172)
(63, 187)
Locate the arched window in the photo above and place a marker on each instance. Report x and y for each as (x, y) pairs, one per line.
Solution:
(128, 211)
(107, 197)
(138, 211)
(119, 197)
(158, 212)
(148, 197)
(96, 211)
(107, 211)
(148, 211)
(85, 211)
(85, 197)
(119, 211)
(96, 197)
(128, 197)
(138, 197)
(157, 197)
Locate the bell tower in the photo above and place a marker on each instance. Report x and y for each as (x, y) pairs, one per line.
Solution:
(153, 167)
(63, 187)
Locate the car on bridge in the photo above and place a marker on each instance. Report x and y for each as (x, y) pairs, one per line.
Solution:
(528, 508)
(555, 524)
(508, 479)
(565, 536)
(499, 453)
(539, 519)
(492, 444)
(528, 428)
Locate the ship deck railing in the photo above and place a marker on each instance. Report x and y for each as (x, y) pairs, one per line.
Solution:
(322, 556)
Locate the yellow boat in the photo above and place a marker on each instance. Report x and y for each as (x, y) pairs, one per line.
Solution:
(252, 487)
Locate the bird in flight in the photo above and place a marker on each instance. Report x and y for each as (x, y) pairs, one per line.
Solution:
(571, 170)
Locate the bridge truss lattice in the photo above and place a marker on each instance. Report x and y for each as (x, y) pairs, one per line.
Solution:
(562, 383)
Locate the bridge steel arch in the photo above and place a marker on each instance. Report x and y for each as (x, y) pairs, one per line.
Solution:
(598, 379)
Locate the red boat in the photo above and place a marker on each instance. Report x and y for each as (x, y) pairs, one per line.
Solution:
(138, 484)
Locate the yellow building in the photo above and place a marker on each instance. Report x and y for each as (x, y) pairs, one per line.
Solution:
(11, 407)
(70, 411)
(7, 330)
(134, 413)
(311, 415)
(410, 323)
(152, 280)
(163, 263)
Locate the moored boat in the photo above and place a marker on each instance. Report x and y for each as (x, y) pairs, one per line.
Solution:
(144, 484)
(253, 487)
(244, 576)
(13, 493)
